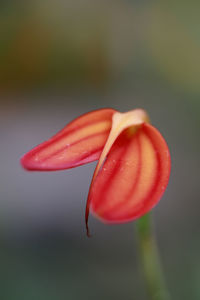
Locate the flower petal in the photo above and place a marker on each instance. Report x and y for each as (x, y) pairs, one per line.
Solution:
(79, 142)
(133, 177)
(120, 121)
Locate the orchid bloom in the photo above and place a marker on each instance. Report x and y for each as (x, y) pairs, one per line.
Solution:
(133, 166)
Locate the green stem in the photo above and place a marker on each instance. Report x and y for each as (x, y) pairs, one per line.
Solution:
(150, 260)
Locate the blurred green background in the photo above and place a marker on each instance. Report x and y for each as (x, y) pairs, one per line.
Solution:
(59, 59)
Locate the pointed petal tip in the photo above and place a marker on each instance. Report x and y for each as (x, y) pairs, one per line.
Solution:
(23, 163)
(29, 164)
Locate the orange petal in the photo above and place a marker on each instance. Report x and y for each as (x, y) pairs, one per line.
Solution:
(79, 142)
(133, 177)
(120, 121)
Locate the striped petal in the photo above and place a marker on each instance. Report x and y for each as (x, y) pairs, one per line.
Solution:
(133, 177)
(78, 143)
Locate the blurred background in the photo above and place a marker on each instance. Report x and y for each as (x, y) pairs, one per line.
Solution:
(60, 59)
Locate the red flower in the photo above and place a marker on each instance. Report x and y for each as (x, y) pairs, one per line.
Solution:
(133, 168)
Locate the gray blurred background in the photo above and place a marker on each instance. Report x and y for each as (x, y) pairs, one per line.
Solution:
(60, 59)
